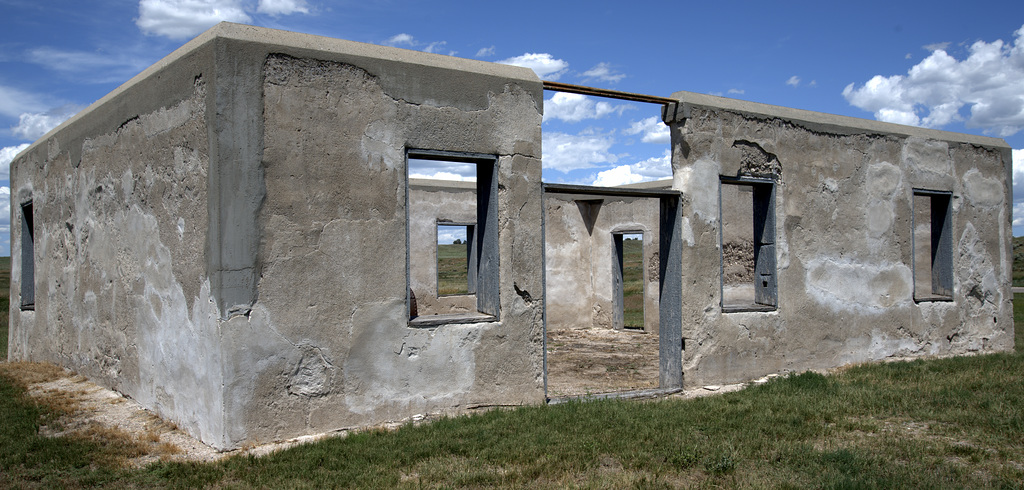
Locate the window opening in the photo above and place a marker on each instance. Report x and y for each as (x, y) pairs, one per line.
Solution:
(454, 256)
(628, 280)
(28, 262)
(932, 245)
(747, 210)
(452, 196)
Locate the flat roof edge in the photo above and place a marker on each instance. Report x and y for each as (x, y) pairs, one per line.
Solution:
(294, 41)
(325, 44)
(821, 121)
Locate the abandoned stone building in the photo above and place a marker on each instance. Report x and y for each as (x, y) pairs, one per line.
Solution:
(233, 239)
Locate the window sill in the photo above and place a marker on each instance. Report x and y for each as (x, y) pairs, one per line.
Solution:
(437, 320)
(747, 308)
(932, 299)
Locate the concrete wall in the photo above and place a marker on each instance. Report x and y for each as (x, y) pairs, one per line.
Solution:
(843, 239)
(580, 256)
(120, 198)
(224, 237)
(432, 202)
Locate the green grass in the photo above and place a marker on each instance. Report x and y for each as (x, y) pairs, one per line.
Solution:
(633, 283)
(5, 303)
(947, 423)
(452, 269)
(1018, 261)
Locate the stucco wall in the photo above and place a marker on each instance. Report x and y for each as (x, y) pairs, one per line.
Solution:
(843, 239)
(120, 202)
(328, 343)
(432, 202)
(579, 258)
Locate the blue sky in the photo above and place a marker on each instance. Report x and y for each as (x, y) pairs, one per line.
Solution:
(938, 64)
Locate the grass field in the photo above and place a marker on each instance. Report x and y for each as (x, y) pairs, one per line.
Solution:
(945, 423)
(452, 269)
(633, 283)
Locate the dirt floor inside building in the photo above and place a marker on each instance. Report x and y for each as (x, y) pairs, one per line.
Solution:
(598, 360)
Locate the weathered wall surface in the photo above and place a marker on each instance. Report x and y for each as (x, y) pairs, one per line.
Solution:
(328, 342)
(432, 202)
(580, 256)
(843, 238)
(120, 203)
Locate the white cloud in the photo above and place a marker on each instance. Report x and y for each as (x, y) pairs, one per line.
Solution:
(482, 52)
(32, 126)
(653, 130)
(736, 91)
(5, 214)
(575, 107)
(603, 71)
(656, 168)
(935, 47)
(182, 19)
(567, 152)
(447, 234)
(91, 66)
(282, 7)
(1018, 187)
(402, 39)
(6, 155)
(409, 42)
(989, 84)
(793, 80)
(543, 64)
(433, 47)
(441, 170)
(14, 102)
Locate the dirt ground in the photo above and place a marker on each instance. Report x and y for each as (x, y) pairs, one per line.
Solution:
(599, 360)
(580, 362)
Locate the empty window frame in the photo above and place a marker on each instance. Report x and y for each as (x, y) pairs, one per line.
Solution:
(456, 264)
(481, 263)
(932, 245)
(747, 237)
(628, 280)
(28, 262)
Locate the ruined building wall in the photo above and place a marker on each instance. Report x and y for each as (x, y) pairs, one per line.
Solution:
(120, 225)
(224, 237)
(842, 239)
(432, 202)
(328, 342)
(579, 257)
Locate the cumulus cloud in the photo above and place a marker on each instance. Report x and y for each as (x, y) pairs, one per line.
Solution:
(575, 107)
(6, 155)
(32, 126)
(402, 39)
(1018, 188)
(603, 72)
(5, 214)
(652, 129)
(567, 152)
(182, 19)
(793, 80)
(656, 168)
(985, 90)
(435, 46)
(282, 7)
(441, 170)
(409, 42)
(482, 52)
(544, 65)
